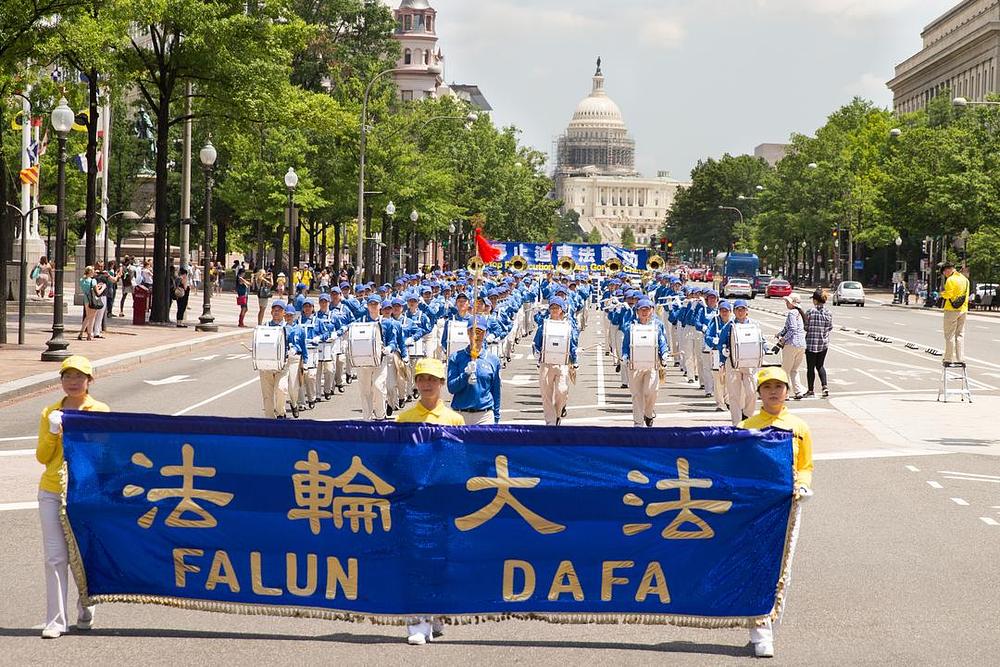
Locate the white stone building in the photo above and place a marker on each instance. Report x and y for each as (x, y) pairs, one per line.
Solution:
(595, 173)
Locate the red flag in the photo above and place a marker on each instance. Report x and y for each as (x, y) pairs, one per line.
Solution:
(548, 246)
(486, 251)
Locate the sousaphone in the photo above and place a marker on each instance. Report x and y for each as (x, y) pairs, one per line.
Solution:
(613, 265)
(518, 263)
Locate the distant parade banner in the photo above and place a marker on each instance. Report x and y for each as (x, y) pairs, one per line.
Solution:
(382, 522)
(546, 257)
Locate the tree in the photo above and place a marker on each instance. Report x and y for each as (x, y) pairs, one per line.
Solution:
(238, 59)
(628, 239)
(567, 228)
(594, 236)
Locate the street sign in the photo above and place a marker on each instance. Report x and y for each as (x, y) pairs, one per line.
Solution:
(859, 264)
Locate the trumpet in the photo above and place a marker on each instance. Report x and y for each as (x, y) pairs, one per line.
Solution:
(475, 263)
(518, 263)
(567, 264)
(614, 265)
(655, 263)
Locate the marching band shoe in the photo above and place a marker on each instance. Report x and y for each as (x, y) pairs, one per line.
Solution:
(718, 409)
(708, 394)
(563, 412)
(311, 404)
(295, 411)
(437, 629)
(279, 416)
(624, 385)
(401, 403)
(648, 420)
(51, 633)
(691, 380)
(618, 367)
(416, 639)
(764, 650)
(388, 410)
(341, 388)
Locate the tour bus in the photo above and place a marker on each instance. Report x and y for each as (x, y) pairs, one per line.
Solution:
(734, 265)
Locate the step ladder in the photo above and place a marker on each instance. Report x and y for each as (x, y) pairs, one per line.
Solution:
(954, 372)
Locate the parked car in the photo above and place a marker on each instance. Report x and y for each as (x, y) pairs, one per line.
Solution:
(696, 275)
(849, 291)
(709, 276)
(778, 288)
(738, 287)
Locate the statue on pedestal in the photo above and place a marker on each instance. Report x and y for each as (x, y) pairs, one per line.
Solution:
(144, 131)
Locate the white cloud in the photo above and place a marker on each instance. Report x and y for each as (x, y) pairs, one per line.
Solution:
(870, 86)
(660, 32)
(849, 9)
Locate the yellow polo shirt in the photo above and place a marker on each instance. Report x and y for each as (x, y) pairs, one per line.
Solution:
(50, 450)
(802, 449)
(955, 286)
(441, 414)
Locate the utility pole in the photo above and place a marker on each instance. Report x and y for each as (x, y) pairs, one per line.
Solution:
(186, 183)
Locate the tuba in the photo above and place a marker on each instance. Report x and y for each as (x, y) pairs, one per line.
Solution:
(475, 263)
(567, 264)
(613, 265)
(655, 263)
(518, 263)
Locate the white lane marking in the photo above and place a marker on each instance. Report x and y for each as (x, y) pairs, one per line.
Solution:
(913, 468)
(20, 437)
(874, 454)
(601, 397)
(934, 485)
(10, 507)
(207, 357)
(878, 379)
(214, 398)
(18, 452)
(973, 479)
(898, 324)
(968, 474)
(173, 379)
(988, 521)
(960, 501)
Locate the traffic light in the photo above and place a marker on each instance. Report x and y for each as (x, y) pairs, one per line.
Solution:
(663, 245)
(924, 250)
(836, 233)
(670, 246)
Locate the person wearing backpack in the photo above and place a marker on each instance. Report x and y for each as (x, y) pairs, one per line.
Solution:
(956, 309)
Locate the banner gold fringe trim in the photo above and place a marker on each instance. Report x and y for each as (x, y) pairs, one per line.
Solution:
(704, 622)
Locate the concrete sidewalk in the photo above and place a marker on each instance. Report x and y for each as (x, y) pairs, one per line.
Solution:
(124, 346)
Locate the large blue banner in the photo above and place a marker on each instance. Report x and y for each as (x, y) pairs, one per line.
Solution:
(383, 521)
(588, 257)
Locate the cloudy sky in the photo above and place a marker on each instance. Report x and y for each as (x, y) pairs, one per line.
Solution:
(694, 78)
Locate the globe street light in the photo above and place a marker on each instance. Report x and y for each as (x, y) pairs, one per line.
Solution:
(62, 123)
(207, 155)
(414, 216)
(291, 182)
(899, 241)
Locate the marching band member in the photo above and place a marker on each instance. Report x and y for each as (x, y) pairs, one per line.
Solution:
(739, 381)
(694, 340)
(474, 382)
(645, 382)
(622, 318)
(674, 300)
(341, 317)
(773, 386)
(416, 327)
(709, 311)
(460, 315)
(297, 354)
(716, 346)
(554, 379)
(76, 375)
(372, 381)
(312, 331)
(398, 368)
(274, 384)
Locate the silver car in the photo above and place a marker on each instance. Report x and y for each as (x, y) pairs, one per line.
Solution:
(739, 287)
(849, 291)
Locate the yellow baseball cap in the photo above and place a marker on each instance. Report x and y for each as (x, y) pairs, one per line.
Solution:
(77, 362)
(772, 373)
(430, 366)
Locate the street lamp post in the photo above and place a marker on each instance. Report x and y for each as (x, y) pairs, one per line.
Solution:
(733, 208)
(412, 254)
(207, 155)
(22, 292)
(451, 244)
(291, 182)
(62, 123)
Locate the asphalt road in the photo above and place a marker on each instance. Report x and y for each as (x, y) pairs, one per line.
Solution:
(896, 561)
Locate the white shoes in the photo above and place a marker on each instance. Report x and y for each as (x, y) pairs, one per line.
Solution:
(85, 623)
(416, 639)
(421, 633)
(51, 633)
(764, 650)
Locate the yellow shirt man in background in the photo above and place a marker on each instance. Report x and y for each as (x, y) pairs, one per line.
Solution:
(956, 288)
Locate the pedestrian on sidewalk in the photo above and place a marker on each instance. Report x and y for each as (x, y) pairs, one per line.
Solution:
(242, 293)
(956, 310)
(42, 274)
(196, 278)
(115, 274)
(76, 376)
(103, 277)
(92, 302)
(128, 280)
(772, 387)
(819, 326)
(182, 293)
(263, 286)
(792, 341)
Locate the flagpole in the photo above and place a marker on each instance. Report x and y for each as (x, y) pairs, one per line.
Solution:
(105, 159)
(36, 188)
(25, 148)
(475, 304)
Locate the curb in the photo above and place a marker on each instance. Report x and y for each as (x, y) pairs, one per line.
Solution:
(25, 387)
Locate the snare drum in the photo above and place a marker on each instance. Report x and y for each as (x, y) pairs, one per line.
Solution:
(642, 343)
(269, 349)
(555, 342)
(365, 344)
(326, 353)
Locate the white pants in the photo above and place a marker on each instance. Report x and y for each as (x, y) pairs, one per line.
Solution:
(273, 386)
(394, 384)
(765, 633)
(616, 343)
(685, 351)
(675, 340)
(553, 381)
(720, 392)
(742, 398)
(695, 343)
(424, 625)
(324, 377)
(293, 380)
(643, 384)
(308, 380)
(56, 565)
(791, 362)
(954, 336)
(372, 382)
(95, 327)
(484, 418)
(705, 371)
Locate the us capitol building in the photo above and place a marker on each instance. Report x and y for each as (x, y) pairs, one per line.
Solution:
(595, 173)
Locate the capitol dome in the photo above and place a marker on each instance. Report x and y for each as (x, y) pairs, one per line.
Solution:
(596, 139)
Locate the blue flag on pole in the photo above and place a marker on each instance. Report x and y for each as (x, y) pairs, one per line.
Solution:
(383, 521)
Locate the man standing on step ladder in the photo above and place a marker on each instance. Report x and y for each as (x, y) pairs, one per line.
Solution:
(956, 308)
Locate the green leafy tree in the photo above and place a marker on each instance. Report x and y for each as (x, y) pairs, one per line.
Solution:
(628, 239)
